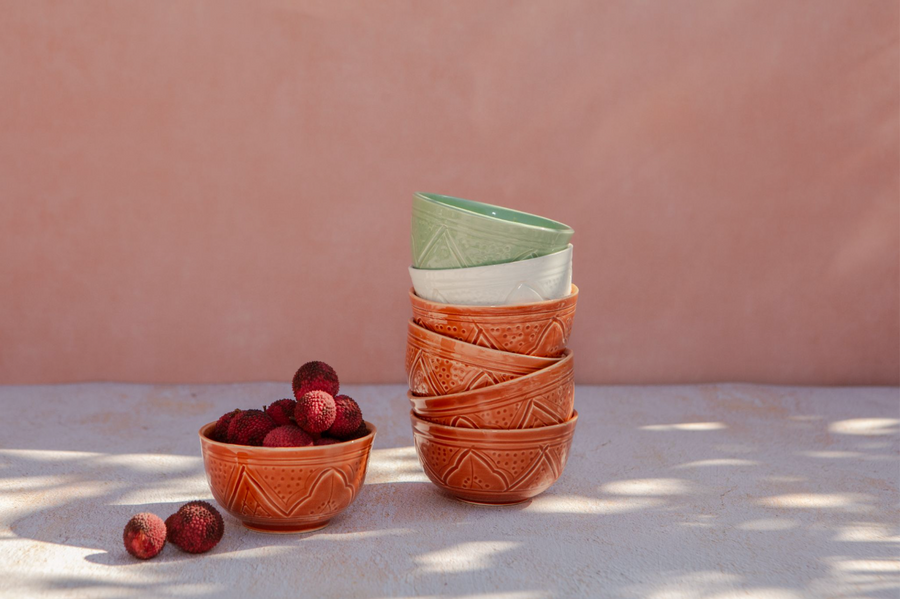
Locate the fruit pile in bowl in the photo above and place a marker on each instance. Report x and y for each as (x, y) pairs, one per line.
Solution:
(491, 380)
(294, 464)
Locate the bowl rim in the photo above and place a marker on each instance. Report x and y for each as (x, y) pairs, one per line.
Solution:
(474, 432)
(563, 361)
(555, 227)
(362, 440)
(427, 305)
(470, 352)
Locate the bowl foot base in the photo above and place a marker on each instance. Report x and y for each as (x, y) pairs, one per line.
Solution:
(484, 503)
(288, 529)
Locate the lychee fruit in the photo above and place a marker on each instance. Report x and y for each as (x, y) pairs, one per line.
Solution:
(327, 441)
(315, 412)
(362, 431)
(145, 535)
(250, 427)
(315, 376)
(347, 417)
(196, 527)
(220, 433)
(289, 435)
(282, 411)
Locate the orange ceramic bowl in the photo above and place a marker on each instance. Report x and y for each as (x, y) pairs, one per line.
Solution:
(495, 467)
(285, 489)
(542, 398)
(537, 329)
(438, 365)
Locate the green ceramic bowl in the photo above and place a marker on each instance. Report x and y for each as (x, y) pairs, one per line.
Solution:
(451, 232)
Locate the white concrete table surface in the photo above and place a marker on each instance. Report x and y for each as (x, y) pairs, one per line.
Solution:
(703, 491)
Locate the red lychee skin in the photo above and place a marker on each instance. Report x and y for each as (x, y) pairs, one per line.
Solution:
(362, 431)
(220, 433)
(347, 417)
(327, 441)
(196, 527)
(282, 411)
(144, 535)
(315, 376)
(315, 412)
(250, 427)
(289, 435)
(170, 525)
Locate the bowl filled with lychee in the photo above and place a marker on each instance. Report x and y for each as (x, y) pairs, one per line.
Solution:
(293, 465)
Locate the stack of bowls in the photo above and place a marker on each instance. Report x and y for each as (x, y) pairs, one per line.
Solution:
(491, 381)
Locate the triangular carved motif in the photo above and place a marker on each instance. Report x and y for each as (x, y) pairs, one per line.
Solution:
(441, 240)
(422, 379)
(523, 294)
(543, 470)
(554, 335)
(329, 492)
(463, 422)
(543, 415)
(483, 379)
(474, 471)
(282, 494)
(483, 338)
(250, 499)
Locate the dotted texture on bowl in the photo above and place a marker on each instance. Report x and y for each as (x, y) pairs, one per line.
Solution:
(493, 471)
(447, 238)
(431, 374)
(437, 365)
(543, 330)
(537, 406)
(285, 490)
(547, 338)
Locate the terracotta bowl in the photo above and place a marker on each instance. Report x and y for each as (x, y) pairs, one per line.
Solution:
(285, 489)
(493, 467)
(536, 329)
(542, 398)
(438, 365)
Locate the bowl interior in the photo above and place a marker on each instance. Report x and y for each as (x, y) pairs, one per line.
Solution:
(496, 212)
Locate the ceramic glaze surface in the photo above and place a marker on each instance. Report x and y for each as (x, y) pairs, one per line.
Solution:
(543, 398)
(527, 281)
(438, 365)
(536, 329)
(285, 489)
(491, 466)
(460, 233)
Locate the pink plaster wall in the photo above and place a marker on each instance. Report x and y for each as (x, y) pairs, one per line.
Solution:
(218, 191)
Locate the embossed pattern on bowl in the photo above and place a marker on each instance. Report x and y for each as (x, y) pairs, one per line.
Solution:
(451, 232)
(535, 329)
(538, 279)
(498, 467)
(543, 398)
(438, 365)
(285, 489)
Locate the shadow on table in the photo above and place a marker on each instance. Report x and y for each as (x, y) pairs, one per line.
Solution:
(700, 508)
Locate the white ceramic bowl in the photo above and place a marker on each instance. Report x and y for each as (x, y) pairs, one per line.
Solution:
(534, 280)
